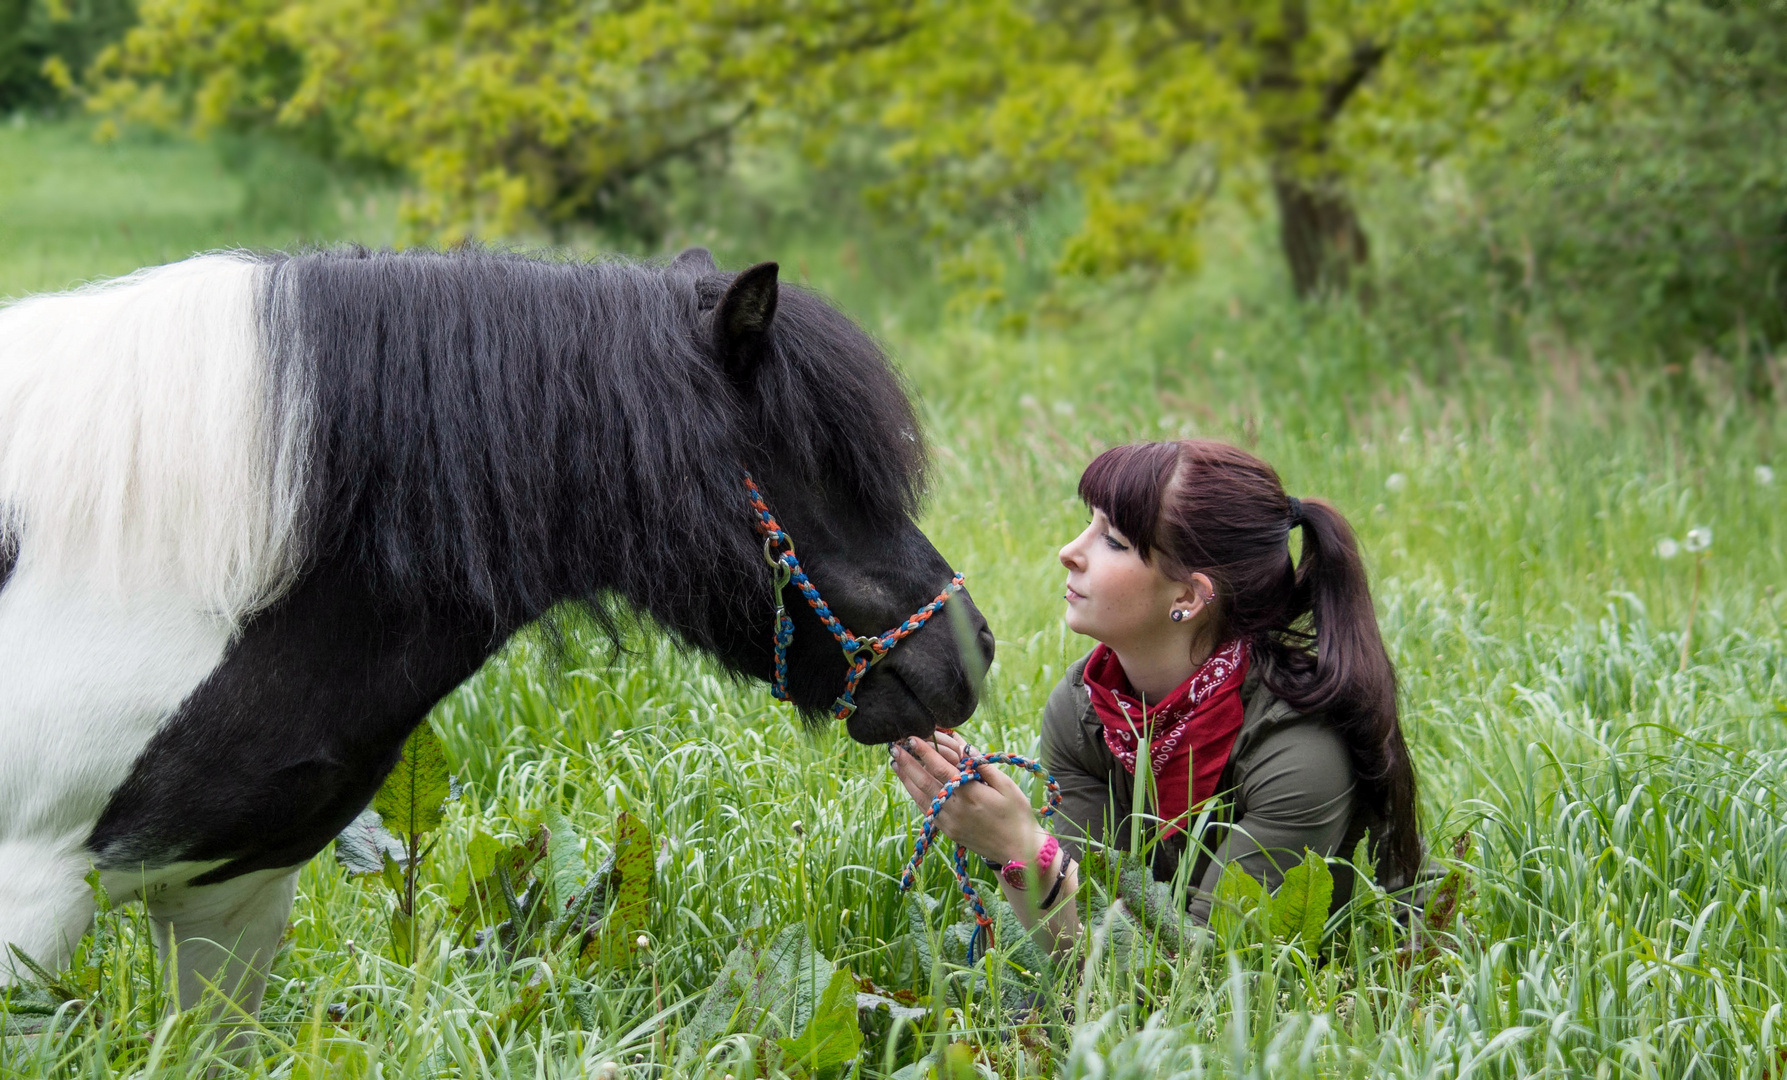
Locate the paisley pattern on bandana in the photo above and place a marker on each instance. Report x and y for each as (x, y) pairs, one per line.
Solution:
(1194, 728)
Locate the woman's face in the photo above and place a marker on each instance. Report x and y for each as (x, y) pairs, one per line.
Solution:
(1112, 595)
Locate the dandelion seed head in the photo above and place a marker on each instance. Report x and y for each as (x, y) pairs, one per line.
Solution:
(1764, 475)
(1667, 548)
(1699, 539)
(1396, 481)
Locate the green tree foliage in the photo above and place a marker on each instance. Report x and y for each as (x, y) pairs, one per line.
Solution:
(507, 116)
(42, 42)
(1630, 183)
(1599, 145)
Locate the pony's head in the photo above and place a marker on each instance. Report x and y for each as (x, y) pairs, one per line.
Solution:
(831, 439)
(490, 435)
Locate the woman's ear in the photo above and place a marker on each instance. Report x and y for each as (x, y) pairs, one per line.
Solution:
(1197, 594)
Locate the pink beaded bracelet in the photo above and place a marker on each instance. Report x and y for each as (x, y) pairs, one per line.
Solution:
(1013, 871)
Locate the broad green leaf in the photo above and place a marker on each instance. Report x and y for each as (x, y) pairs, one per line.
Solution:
(402, 930)
(956, 1062)
(1443, 903)
(630, 886)
(831, 1037)
(365, 844)
(1362, 860)
(1152, 902)
(483, 900)
(775, 988)
(1300, 906)
(410, 800)
(480, 862)
(566, 875)
(1238, 896)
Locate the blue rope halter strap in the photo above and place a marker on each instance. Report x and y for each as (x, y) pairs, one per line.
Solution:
(969, 769)
(860, 652)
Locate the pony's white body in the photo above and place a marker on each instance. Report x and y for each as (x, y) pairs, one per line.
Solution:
(143, 535)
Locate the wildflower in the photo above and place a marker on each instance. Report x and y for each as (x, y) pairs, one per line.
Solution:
(1396, 481)
(1699, 539)
(1668, 548)
(642, 942)
(799, 829)
(1764, 475)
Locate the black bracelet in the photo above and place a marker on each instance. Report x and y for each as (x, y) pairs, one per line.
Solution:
(1049, 900)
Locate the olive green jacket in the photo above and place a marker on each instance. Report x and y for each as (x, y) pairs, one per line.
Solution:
(1289, 781)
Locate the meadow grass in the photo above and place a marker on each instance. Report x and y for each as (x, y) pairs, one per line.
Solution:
(1628, 845)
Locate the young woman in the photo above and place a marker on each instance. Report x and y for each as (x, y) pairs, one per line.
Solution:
(1262, 689)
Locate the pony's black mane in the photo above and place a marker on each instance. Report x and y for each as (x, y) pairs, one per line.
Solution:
(499, 433)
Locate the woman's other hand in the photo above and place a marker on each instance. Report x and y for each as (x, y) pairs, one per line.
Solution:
(994, 819)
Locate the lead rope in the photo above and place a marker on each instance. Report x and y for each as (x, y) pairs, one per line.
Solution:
(969, 769)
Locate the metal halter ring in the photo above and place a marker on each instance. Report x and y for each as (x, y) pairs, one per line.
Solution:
(861, 652)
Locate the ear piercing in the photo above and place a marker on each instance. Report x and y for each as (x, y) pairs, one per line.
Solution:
(1181, 616)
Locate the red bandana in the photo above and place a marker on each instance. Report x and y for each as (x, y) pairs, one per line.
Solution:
(1192, 729)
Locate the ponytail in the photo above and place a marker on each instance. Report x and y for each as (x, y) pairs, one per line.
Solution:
(1339, 666)
(1207, 507)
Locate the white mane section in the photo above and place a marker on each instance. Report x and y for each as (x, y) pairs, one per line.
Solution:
(139, 441)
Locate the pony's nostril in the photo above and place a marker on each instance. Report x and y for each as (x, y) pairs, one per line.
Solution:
(985, 637)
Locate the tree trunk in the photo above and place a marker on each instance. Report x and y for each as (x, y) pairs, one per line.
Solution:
(1321, 235)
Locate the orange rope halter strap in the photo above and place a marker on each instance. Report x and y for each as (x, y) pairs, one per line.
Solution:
(861, 653)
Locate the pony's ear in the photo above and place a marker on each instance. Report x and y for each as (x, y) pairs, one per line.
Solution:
(695, 260)
(741, 321)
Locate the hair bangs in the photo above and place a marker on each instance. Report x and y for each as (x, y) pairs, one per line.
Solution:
(1128, 483)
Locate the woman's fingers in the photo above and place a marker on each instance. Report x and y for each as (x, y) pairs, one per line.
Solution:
(916, 779)
(1002, 783)
(941, 769)
(950, 743)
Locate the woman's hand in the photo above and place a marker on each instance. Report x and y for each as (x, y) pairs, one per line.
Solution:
(994, 819)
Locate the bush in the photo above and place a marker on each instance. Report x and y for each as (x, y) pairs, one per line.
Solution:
(42, 41)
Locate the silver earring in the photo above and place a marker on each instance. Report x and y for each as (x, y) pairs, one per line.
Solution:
(1180, 616)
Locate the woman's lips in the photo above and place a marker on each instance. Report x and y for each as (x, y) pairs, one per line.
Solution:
(1070, 596)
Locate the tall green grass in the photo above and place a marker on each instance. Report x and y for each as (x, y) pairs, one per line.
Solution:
(1628, 848)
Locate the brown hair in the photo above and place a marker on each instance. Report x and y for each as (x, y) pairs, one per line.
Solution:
(1208, 507)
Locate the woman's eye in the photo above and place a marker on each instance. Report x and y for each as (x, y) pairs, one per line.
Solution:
(1115, 544)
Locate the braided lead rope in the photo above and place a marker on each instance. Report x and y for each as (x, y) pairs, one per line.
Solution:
(861, 653)
(969, 769)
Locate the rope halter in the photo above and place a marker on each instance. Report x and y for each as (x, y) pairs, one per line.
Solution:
(860, 653)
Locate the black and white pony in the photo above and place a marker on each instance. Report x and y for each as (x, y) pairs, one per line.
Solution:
(258, 514)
